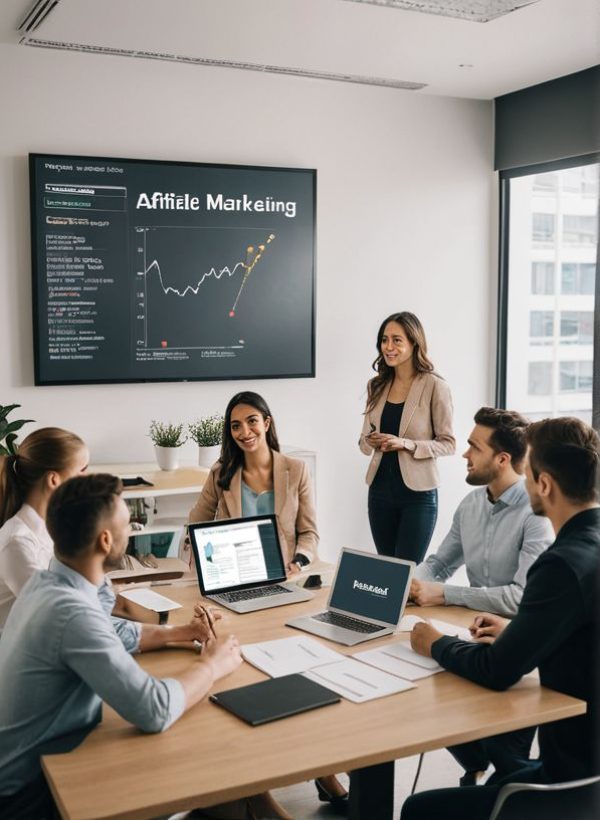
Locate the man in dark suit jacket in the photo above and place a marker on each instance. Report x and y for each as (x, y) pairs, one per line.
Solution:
(555, 629)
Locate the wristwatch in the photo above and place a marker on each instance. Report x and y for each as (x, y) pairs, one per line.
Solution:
(300, 560)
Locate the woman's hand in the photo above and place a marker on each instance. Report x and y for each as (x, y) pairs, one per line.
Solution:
(389, 443)
(292, 569)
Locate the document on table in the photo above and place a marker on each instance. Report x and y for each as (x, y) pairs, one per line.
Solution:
(390, 662)
(357, 681)
(408, 622)
(288, 656)
(151, 600)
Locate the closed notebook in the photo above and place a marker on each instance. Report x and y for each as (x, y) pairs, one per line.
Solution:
(274, 699)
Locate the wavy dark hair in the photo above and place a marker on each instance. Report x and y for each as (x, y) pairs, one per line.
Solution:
(49, 449)
(232, 458)
(421, 362)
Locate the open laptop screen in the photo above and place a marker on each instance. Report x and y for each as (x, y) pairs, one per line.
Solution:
(371, 586)
(237, 553)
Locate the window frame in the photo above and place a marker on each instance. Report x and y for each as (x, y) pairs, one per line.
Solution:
(505, 177)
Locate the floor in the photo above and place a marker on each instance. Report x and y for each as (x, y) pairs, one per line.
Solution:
(439, 770)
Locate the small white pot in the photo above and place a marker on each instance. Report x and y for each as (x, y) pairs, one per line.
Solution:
(208, 455)
(167, 457)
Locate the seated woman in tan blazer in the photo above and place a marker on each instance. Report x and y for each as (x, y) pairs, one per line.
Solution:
(407, 425)
(253, 478)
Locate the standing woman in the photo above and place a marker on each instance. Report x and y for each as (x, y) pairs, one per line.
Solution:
(253, 478)
(45, 459)
(408, 424)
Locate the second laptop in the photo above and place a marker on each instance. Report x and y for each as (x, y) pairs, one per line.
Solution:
(240, 564)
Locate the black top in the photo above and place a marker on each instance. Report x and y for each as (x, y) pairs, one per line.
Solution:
(389, 466)
(555, 630)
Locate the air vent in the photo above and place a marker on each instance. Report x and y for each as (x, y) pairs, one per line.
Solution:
(478, 11)
(36, 16)
(269, 69)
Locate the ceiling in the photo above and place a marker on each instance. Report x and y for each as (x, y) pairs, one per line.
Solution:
(451, 57)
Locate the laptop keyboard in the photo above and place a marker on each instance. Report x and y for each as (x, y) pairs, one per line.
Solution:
(346, 622)
(251, 594)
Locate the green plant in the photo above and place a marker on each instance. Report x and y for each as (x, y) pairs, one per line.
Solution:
(207, 432)
(8, 429)
(166, 435)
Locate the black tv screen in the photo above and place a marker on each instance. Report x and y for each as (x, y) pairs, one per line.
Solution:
(169, 271)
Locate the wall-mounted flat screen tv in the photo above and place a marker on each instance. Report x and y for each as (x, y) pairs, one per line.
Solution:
(150, 271)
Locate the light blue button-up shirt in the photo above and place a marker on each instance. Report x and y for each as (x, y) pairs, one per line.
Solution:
(498, 542)
(60, 657)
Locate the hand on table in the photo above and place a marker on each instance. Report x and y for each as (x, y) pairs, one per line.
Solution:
(422, 637)
(486, 627)
(223, 654)
(203, 622)
(426, 593)
(292, 569)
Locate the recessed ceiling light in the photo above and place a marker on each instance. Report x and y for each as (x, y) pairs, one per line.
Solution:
(479, 11)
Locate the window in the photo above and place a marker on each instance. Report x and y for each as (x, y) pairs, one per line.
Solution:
(543, 228)
(579, 229)
(542, 278)
(576, 377)
(541, 326)
(577, 327)
(578, 278)
(549, 240)
(540, 379)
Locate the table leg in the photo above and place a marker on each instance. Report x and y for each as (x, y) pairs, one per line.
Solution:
(372, 792)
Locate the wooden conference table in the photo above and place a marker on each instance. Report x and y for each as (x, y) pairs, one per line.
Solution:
(210, 756)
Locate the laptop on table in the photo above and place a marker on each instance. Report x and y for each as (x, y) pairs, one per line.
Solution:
(240, 564)
(367, 599)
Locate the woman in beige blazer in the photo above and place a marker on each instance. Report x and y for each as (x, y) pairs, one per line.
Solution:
(253, 478)
(407, 425)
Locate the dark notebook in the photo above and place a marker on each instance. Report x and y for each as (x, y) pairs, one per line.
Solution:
(276, 698)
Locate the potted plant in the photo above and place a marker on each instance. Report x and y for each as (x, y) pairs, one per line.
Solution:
(8, 430)
(207, 432)
(167, 439)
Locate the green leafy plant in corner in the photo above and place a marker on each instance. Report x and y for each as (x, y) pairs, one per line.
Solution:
(167, 435)
(208, 431)
(8, 430)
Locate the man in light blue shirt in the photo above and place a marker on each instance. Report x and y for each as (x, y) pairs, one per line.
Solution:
(60, 656)
(494, 532)
(497, 536)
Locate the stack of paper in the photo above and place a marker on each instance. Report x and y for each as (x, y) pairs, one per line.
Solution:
(348, 677)
(399, 659)
(288, 656)
(356, 681)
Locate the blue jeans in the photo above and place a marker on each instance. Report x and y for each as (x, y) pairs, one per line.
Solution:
(402, 520)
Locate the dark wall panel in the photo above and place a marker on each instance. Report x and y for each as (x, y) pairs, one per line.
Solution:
(549, 122)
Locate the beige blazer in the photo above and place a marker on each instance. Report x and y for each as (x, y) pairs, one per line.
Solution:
(426, 421)
(294, 505)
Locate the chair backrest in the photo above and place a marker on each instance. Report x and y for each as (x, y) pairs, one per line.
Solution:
(573, 800)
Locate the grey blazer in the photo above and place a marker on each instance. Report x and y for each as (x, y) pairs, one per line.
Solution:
(427, 421)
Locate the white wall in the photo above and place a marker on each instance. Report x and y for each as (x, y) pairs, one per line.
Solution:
(405, 194)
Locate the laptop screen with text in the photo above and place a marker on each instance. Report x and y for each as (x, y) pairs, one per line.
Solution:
(370, 587)
(237, 553)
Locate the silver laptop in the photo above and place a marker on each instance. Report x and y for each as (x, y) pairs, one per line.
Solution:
(367, 599)
(240, 564)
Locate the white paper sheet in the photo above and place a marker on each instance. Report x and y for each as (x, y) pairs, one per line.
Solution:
(149, 599)
(357, 681)
(381, 659)
(402, 650)
(408, 622)
(287, 656)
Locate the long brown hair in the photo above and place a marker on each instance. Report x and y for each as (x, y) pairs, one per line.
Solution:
(232, 457)
(421, 362)
(45, 450)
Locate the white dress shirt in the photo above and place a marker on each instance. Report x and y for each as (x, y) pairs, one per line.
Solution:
(25, 548)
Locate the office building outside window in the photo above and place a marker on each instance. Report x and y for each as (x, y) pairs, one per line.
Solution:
(552, 247)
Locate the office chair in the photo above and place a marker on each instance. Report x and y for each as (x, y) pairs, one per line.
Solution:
(573, 800)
